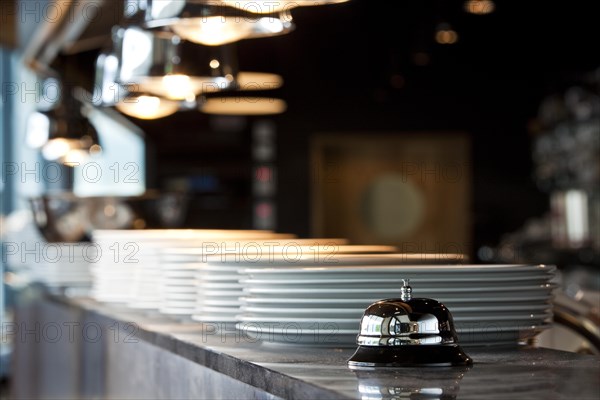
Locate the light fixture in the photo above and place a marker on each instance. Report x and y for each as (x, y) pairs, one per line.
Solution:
(444, 34)
(211, 24)
(480, 7)
(269, 6)
(162, 64)
(137, 104)
(71, 135)
(144, 106)
(107, 92)
(246, 81)
(38, 129)
(243, 106)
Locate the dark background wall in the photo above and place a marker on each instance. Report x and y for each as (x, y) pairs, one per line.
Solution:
(374, 66)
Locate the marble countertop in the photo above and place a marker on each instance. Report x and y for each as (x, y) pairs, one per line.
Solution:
(294, 371)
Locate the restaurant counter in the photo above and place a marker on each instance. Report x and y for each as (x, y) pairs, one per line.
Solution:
(77, 348)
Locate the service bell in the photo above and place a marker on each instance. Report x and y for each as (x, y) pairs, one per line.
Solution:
(407, 332)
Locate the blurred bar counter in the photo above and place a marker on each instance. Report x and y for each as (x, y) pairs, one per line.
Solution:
(76, 348)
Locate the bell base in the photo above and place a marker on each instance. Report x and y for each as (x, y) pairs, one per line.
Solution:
(367, 357)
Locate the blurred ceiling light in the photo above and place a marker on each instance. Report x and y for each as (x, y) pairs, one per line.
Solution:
(211, 24)
(270, 6)
(38, 129)
(75, 157)
(445, 34)
(147, 107)
(243, 106)
(258, 81)
(106, 91)
(480, 7)
(63, 129)
(162, 64)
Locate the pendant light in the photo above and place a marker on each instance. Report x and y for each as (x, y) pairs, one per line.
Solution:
(145, 106)
(212, 23)
(107, 92)
(269, 6)
(247, 106)
(164, 65)
(71, 136)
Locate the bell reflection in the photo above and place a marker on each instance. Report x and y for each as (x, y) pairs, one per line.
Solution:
(439, 383)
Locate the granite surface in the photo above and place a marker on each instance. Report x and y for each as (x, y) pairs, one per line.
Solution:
(294, 371)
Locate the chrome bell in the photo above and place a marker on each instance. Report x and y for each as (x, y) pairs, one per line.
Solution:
(407, 332)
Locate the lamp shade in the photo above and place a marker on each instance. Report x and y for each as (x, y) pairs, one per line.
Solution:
(269, 6)
(213, 23)
(163, 64)
(70, 133)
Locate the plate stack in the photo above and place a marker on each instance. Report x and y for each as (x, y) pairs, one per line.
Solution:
(188, 280)
(60, 265)
(492, 305)
(129, 271)
(179, 263)
(218, 279)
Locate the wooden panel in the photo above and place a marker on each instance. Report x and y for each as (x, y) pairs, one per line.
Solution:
(8, 24)
(409, 190)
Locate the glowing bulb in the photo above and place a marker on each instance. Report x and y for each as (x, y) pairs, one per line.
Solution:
(147, 107)
(177, 87)
(268, 6)
(258, 81)
(480, 7)
(244, 106)
(95, 149)
(213, 31)
(214, 64)
(38, 129)
(272, 25)
(446, 35)
(56, 148)
(75, 157)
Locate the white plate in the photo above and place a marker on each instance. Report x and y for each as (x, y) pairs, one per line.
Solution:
(452, 272)
(299, 259)
(388, 283)
(178, 282)
(177, 311)
(212, 277)
(221, 302)
(332, 336)
(349, 302)
(420, 292)
(218, 285)
(308, 321)
(178, 275)
(496, 310)
(180, 289)
(178, 304)
(213, 318)
(179, 296)
(165, 266)
(212, 310)
(308, 280)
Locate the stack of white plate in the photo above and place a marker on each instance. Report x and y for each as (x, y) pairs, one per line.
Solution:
(183, 289)
(220, 289)
(60, 265)
(128, 270)
(492, 305)
(179, 263)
